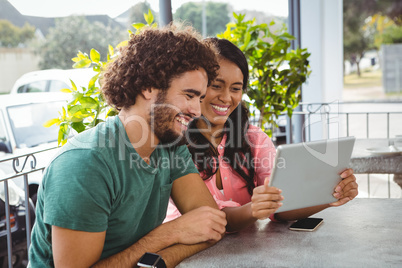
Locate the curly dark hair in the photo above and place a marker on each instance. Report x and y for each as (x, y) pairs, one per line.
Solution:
(152, 59)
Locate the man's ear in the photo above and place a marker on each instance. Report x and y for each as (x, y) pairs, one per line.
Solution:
(149, 93)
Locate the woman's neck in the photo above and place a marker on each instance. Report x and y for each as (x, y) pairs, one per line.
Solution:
(213, 133)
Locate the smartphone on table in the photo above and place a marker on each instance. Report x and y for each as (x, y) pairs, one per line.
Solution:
(308, 224)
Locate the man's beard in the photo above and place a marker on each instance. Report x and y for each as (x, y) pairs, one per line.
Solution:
(161, 120)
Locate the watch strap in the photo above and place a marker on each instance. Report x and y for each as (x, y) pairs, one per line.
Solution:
(160, 263)
(151, 260)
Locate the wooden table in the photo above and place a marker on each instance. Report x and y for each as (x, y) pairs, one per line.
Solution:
(362, 233)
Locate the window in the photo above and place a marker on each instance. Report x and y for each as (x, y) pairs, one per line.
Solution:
(37, 86)
(57, 85)
(4, 144)
(21, 89)
(3, 135)
(27, 123)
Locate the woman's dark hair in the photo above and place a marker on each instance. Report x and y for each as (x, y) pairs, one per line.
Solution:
(237, 148)
(229, 51)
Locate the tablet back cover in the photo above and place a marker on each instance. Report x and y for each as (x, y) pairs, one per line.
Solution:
(307, 173)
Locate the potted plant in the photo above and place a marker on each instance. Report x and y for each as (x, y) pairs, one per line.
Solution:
(276, 72)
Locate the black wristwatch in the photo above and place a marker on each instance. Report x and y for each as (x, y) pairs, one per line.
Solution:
(151, 260)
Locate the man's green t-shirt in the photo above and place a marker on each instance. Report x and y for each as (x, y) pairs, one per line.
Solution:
(98, 183)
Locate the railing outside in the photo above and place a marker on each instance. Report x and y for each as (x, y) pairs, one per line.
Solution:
(19, 165)
(336, 119)
(364, 120)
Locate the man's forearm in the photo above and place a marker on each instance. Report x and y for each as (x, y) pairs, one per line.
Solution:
(158, 239)
(177, 253)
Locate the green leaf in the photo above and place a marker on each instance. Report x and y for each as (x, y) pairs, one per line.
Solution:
(289, 36)
(112, 112)
(73, 86)
(111, 50)
(150, 17)
(95, 56)
(78, 126)
(138, 25)
(93, 80)
(51, 122)
(235, 16)
(66, 90)
(83, 63)
(81, 55)
(247, 38)
(64, 114)
(231, 25)
(79, 117)
(122, 44)
(63, 134)
(98, 121)
(88, 103)
(74, 109)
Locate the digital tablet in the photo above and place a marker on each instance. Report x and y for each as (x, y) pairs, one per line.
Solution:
(308, 172)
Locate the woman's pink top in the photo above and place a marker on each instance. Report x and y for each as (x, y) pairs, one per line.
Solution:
(234, 187)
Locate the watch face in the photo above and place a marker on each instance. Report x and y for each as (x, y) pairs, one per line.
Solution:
(148, 260)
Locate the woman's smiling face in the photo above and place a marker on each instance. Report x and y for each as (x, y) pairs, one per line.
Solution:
(224, 94)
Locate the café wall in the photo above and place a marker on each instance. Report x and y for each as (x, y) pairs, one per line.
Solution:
(15, 62)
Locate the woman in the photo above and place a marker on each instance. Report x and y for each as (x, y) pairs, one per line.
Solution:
(235, 159)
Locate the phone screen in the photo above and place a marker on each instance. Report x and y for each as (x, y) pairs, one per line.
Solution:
(308, 224)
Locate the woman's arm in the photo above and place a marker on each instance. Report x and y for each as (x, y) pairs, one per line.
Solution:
(264, 202)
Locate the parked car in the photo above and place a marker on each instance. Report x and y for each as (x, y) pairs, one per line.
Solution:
(21, 131)
(52, 80)
(18, 211)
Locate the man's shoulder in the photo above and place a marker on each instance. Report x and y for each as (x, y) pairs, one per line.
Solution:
(105, 134)
(95, 143)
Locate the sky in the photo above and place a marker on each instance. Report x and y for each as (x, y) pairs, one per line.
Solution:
(57, 8)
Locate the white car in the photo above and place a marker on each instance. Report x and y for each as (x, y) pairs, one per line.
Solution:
(22, 132)
(52, 80)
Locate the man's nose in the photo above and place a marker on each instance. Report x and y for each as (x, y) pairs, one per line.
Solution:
(195, 108)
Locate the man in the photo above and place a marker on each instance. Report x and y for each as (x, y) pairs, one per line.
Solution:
(105, 195)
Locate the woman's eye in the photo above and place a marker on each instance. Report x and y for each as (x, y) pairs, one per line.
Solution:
(236, 89)
(215, 86)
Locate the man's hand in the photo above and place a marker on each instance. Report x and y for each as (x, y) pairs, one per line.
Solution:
(346, 190)
(265, 200)
(200, 225)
